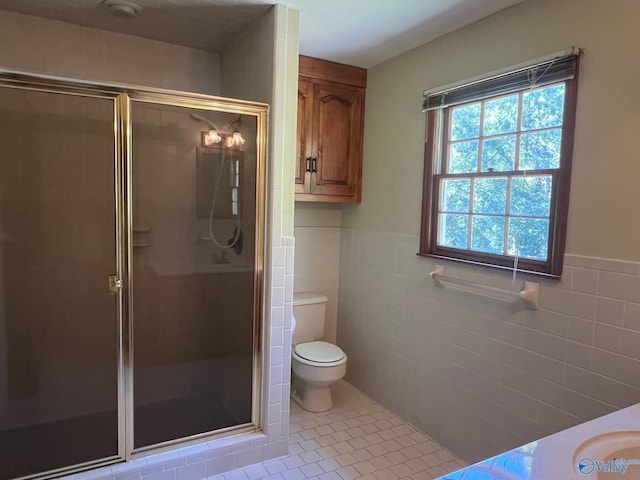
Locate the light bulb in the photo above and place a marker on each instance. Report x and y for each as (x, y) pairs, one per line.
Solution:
(237, 138)
(212, 137)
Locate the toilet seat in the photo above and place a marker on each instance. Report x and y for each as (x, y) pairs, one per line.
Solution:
(321, 354)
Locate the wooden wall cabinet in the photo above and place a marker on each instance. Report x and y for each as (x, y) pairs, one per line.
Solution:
(329, 131)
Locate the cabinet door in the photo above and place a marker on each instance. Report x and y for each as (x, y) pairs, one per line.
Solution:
(338, 130)
(304, 136)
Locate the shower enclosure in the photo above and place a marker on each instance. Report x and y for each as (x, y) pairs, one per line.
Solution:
(131, 271)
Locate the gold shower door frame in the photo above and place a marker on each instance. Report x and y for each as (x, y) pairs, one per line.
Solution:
(122, 97)
(201, 102)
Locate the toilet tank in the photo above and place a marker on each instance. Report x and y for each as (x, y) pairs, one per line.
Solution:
(309, 309)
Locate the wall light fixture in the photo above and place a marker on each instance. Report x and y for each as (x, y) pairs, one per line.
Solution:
(229, 136)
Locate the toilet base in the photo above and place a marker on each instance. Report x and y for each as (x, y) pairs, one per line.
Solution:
(312, 398)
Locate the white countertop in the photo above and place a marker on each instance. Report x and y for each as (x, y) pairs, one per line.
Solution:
(601, 449)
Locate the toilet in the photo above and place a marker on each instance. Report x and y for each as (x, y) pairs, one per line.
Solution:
(315, 365)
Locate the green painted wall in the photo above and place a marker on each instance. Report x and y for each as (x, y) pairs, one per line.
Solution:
(604, 216)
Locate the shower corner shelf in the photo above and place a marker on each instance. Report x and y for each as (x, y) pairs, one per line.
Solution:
(141, 237)
(529, 295)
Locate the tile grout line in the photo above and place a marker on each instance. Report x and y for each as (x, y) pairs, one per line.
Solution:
(357, 438)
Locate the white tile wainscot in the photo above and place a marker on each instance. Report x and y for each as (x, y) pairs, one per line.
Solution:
(478, 375)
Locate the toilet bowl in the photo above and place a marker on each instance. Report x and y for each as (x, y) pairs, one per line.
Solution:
(315, 364)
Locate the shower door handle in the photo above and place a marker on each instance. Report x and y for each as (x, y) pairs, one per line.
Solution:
(115, 284)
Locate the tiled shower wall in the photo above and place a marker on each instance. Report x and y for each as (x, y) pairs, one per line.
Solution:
(51, 47)
(479, 375)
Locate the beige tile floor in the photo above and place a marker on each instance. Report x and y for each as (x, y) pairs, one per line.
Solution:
(357, 438)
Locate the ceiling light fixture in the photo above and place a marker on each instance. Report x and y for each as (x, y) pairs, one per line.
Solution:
(123, 8)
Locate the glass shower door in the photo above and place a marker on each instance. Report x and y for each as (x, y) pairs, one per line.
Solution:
(131, 272)
(193, 281)
(59, 330)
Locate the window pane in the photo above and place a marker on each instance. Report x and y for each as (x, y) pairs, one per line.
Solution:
(540, 150)
(463, 157)
(490, 195)
(531, 196)
(454, 230)
(501, 115)
(487, 234)
(498, 154)
(528, 237)
(455, 195)
(543, 107)
(465, 122)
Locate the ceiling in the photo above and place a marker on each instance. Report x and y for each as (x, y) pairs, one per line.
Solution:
(356, 32)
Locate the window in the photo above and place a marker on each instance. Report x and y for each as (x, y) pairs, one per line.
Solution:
(498, 166)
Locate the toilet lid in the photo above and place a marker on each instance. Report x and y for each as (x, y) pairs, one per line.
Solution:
(321, 352)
